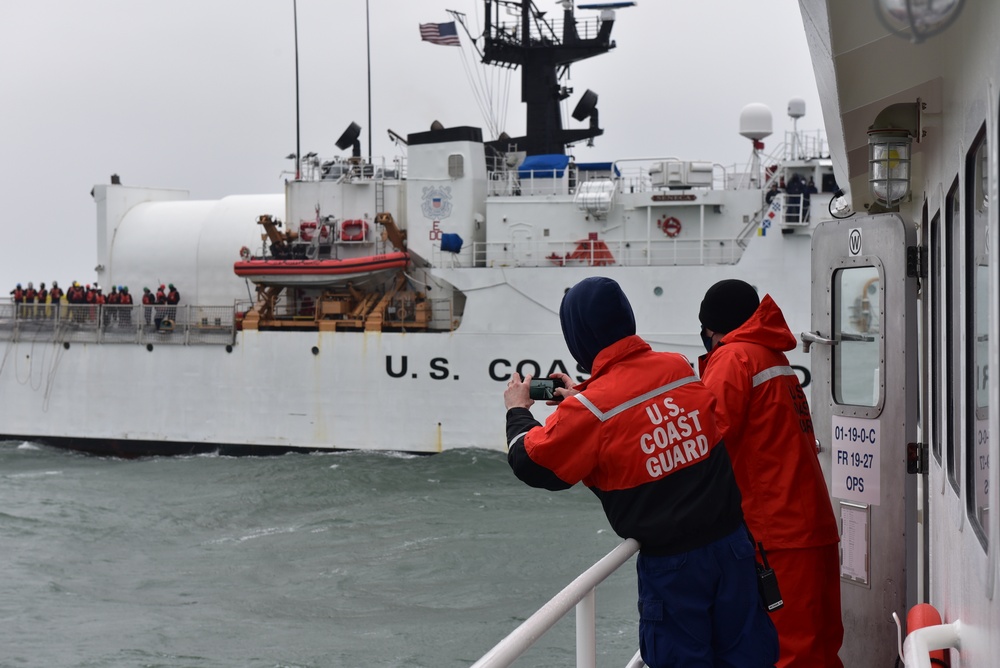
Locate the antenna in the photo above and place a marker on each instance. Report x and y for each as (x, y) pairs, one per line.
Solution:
(796, 110)
(298, 140)
(460, 17)
(368, 44)
(755, 125)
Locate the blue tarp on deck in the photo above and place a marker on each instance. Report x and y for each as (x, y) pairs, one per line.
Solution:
(598, 167)
(547, 166)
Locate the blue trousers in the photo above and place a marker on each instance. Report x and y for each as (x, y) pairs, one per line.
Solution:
(701, 609)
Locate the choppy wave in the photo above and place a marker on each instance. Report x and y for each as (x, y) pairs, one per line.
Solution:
(339, 559)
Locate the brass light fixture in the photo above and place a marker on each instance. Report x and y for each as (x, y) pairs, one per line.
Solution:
(890, 139)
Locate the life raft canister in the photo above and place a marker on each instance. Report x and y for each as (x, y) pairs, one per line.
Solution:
(671, 226)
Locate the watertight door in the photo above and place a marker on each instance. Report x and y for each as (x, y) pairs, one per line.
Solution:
(864, 401)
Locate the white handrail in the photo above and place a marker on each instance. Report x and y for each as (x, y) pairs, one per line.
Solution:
(579, 593)
(920, 643)
(636, 661)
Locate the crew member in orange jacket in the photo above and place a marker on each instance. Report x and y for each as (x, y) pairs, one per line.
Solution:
(43, 296)
(28, 310)
(173, 298)
(641, 434)
(125, 299)
(55, 298)
(148, 300)
(160, 314)
(767, 429)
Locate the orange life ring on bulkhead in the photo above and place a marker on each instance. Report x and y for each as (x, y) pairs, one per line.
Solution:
(245, 253)
(353, 230)
(670, 226)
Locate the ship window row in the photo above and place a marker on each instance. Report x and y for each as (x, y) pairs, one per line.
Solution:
(959, 311)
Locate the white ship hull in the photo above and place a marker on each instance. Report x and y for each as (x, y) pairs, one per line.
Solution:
(411, 391)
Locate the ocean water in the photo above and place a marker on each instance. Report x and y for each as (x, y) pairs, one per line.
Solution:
(341, 559)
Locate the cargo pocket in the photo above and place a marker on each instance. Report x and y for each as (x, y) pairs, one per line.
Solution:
(653, 641)
(650, 610)
(742, 548)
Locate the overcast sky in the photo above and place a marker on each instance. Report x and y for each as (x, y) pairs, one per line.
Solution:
(200, 95)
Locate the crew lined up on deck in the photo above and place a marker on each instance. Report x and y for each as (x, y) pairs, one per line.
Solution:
(27, 298)
(29, 302)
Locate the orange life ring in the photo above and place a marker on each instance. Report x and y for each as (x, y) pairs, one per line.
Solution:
(353, 230)
(670, 226)
(245, 253)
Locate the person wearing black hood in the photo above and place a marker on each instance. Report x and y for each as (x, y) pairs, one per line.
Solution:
(641, 434)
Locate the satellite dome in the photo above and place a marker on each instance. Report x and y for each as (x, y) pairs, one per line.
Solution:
(755, 121)
(796, 107)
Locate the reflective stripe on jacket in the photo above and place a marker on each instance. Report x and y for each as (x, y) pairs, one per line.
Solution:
(642, 436)
(767, 428)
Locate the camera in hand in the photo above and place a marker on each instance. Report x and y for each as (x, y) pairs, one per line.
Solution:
(544, 389)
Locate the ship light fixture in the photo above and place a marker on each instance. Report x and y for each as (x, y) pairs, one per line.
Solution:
(890, 139)
(917, 19)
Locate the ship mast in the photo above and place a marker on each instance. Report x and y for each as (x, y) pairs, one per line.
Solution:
(544, 50)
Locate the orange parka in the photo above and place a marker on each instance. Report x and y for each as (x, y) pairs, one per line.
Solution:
(641, 435)
(767, 429)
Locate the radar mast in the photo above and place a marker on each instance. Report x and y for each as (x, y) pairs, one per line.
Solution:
(544, 49)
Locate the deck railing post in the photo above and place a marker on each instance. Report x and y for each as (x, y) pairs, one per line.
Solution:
(586, 631)
(580, 592)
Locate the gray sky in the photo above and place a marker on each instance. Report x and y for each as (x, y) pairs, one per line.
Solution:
(200, 95)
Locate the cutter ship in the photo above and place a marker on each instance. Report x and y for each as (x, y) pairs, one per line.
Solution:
(381, 303)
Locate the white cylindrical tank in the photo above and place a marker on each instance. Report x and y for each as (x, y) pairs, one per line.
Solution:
(755, 121)
(192, 244)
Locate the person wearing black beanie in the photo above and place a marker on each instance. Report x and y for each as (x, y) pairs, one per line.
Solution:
(641, 434)
(767, 429)
(726, 305)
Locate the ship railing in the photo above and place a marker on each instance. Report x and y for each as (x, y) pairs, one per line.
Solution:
(537, 182)
(548, 31)
(628, 175)
(761, 170)
(372, 168)
(601, 253)
(179, 324)
(578, 596)
(797, 146)
(805, 145)
(669, 174)
(796, 209)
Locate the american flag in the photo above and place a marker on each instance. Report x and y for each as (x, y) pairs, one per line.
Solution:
(440, 33)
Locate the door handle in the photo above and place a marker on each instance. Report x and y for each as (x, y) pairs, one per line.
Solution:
(809, 338)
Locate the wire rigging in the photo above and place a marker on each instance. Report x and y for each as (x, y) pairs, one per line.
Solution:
(490, 90)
